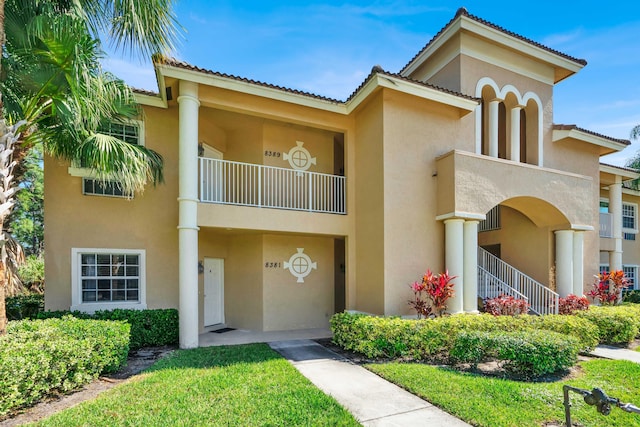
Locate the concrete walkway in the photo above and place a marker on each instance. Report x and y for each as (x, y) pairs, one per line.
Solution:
(372, 400)
(616, 353)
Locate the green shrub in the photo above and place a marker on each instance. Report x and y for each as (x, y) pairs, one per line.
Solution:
(31, 273)
(616, 324)
(41, 357)
(631, 296)
(527, 354)
(24, 306)
(433, 339)
(583, 329)
(148, 327)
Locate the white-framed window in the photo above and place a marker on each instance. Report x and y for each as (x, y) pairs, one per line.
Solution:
(629, 220)
(630, 271)
(105, 279)
(131, 131)
(96, 187)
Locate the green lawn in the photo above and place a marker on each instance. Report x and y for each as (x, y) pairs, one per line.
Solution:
(215, 386)
(493, 402)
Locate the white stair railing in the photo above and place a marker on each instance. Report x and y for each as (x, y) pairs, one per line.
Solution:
(542, 300)
(236, 183)
(489, 286)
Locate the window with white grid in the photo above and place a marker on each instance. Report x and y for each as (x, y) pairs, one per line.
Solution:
(107, 279)
(629, 218)
(130, 132)
(630, 271)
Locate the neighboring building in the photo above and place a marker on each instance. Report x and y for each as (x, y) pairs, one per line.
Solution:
(281, 208)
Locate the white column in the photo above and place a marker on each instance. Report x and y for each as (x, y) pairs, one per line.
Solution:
(578, 263)
(470, 248)
(188, 213)
(493, 127)
(564, 262)
(615, 209)
(514, 138)
(454, 261)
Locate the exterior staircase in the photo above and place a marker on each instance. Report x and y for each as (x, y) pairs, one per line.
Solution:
(496, 277)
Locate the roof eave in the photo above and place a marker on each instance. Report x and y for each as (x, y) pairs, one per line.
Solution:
(607, 146)
(622, 172)
(564, 67)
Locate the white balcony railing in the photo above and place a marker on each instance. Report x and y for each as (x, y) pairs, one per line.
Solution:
(606, 224)
(245, 184)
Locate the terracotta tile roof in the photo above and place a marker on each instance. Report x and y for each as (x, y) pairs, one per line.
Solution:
(144, 92)
(624, 168)
(463, 12)
(574, 127)
(379, 70)
(375, 70)
(181, 64)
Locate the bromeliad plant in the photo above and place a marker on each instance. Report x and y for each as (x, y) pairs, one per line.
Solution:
(431, 294)
(572, 303)
(608, 287)
(506, 305)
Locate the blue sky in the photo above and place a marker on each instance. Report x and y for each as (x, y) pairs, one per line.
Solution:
(329, 47)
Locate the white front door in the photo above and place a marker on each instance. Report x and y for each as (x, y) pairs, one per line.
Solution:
(213, 291)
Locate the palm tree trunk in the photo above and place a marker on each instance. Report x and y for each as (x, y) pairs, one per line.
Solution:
(3, 131)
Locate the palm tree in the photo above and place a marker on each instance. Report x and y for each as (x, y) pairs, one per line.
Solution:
(56, 93)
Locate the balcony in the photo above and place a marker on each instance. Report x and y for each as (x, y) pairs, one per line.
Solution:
(606, 224)
(245, 184)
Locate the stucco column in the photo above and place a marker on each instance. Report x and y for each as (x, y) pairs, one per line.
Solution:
(578, 263)
(470, 259)
(188, 213)
(493, 127)
(514, 137)
(454, 261)
(615, 209)
(564, 262)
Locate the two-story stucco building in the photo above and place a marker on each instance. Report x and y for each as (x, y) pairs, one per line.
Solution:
(281, 208)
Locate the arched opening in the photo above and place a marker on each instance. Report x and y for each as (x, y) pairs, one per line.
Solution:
(532, 130)
(520, 231)
(523, 136)
(502, 131)
(488, 94)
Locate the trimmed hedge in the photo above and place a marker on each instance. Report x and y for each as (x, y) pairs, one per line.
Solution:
(616, 325)
(529, 353)
(41, 357)
(433, 339)
(24, 306)
(148, 327)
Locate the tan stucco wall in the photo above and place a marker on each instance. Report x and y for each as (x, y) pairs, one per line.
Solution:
(244, 282)
(369, 199)
(416, 132)
(291, 305)
(146, 222)
(480, 183)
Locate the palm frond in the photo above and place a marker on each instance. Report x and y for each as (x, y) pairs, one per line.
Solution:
(114, 160)
(635, 132)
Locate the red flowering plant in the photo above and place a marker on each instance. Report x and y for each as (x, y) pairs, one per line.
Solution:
(506, 305)
(608, 286)
(431, 294)
(572, 303)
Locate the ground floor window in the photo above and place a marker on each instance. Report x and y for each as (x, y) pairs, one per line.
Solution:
(108, 278)
(630, 271)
